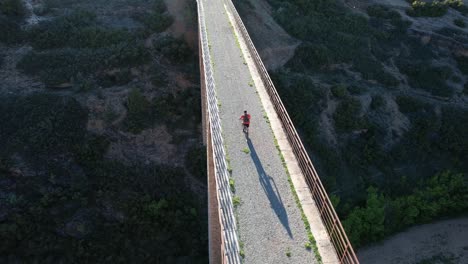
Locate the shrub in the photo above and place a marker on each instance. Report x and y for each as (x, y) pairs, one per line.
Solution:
(172, 48)
(64, 65)
(346, 115)
(427, 77)
(41, 124)
(111, 78)
(373, 70)
(463, 9)
(11, 30)
(76, 30)
(312, 57)
(179, 110)
(377, 102)
(459, 22)
(421, 8)
(408, 104)
(339, 91)
(433, 9)
(456, 79)
(357, 90)
(462, 64)
(140, 114)
(13, 8)
(195, 160)
(157, 75)
(61, 66)
(157, 20)
(441, 195)
(366, 224)
(381, 11)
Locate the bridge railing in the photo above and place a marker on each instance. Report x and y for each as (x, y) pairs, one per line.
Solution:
(328, 215)
(229, 239)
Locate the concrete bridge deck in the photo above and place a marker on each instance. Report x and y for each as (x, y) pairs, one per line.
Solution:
(270, 227)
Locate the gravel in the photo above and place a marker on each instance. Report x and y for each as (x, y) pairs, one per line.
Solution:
(269, 220)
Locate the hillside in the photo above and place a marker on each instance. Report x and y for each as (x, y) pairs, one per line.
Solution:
(101, 158)
(379, 93)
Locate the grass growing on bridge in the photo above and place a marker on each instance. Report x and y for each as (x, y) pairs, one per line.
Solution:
(312, 243)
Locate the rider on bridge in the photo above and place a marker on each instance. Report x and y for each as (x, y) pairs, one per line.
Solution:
(245, 121)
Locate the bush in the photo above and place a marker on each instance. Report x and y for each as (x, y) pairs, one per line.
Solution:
(462, 64)
(373, 70)
(157, 20)
(366, 224)
(157, 75)
(311, 57)
(41, 124)
(441, 195)
(381, 11)
(377, 102)
(435, 8)
(427, 77)
(339, 91)
(111, 78)
(158, 208)
(76, 30)
(459, 22)
(174, 49)
(357, 90)
(463, 9)
(456, 79)
(195, 160)
(346, 115)
(421, 8)
(13, 8)
(180, 109)
(140, 114)
(11, 30)
(63, 65)
(408, 104)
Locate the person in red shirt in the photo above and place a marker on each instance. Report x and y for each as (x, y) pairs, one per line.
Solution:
(245, 121)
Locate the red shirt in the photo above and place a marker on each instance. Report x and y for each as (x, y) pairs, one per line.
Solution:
(244, 122)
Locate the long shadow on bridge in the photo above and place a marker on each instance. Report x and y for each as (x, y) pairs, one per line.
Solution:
(270, 189)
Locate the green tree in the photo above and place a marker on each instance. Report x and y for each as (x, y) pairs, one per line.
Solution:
(367, 224)
(139, 111)
(13, 8)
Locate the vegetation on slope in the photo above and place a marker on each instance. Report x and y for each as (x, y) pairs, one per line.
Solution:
(63, 198)
(77, 202)
(357, 89)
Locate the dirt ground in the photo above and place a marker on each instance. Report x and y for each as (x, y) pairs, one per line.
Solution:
(274, 45)
(441, 242)
(184, 21)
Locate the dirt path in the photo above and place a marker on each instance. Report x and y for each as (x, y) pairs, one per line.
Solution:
(442, 242)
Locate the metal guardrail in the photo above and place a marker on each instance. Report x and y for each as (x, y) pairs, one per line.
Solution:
(329, 217)
(230, 244)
